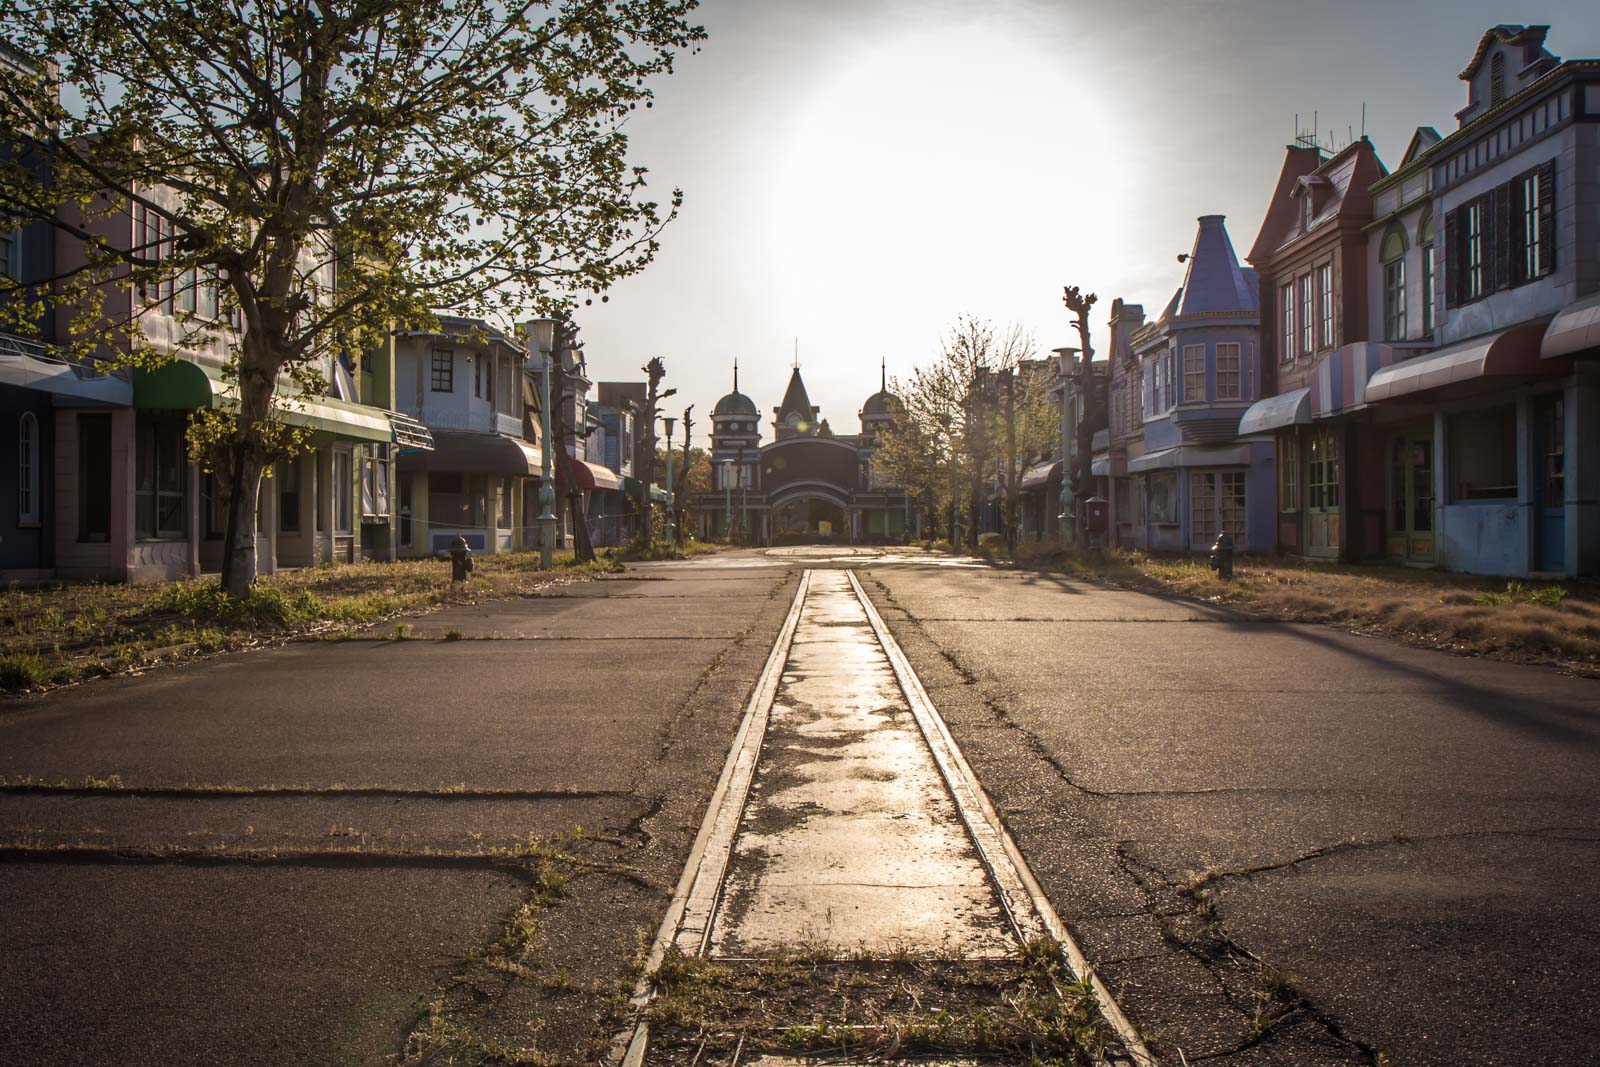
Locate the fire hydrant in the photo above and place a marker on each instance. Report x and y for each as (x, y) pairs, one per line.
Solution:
(460, 560)
(1222, 556)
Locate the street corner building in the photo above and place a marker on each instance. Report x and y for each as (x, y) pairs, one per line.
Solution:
(808, 483)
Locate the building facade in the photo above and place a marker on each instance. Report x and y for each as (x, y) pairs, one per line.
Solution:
(807, 484)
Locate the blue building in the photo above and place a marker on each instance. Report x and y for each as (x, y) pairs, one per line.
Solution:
(1195, 370)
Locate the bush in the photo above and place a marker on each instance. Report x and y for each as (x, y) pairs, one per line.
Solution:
(261, 607)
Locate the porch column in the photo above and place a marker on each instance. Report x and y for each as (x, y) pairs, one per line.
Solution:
(322, 519)
(194, 519)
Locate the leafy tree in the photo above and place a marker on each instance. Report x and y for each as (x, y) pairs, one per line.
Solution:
(330, 171)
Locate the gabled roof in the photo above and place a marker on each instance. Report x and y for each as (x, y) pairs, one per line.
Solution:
(1298, 161)
(1339, 187)
(1531, 38)
(1425, 138)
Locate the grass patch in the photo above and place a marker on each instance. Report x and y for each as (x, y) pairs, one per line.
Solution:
(67, 632)
(1556, 623)
(659, 549)
(1026, 1010)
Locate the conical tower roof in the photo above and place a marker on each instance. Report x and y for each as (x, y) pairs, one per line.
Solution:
(796, 402)
(1215, 282)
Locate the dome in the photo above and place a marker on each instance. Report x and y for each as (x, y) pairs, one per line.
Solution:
(882, 403)
(735, 403)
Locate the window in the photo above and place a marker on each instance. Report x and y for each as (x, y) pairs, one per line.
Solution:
(1325, 305)
(1216, 503)
(1288, 472)
(1194, 372)
(206, 295)
(188, 294)
(444, 370)
(160, 482)
(94, 478)
(1228, 370)
(1286, 301)
(1138, 394)
(1163, 497)
(214, 507)
(1322, 471)
(343, 490)
(406, 491)
(1527, 188)
(9, 267)
(1497, 79)
(1427, 290)
(477, 375)
(375, 475)
(288, 479)
(1305, 210)
(28, 469)
(505, 503)
(1483, 453)
(1394, 300)
(1472, 240)
(1306, 340)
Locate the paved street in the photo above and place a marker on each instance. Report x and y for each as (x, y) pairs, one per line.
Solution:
(1277, 844)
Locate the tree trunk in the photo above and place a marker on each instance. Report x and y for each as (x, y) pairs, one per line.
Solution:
(246, 460)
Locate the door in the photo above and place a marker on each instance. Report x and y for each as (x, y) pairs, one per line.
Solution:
(1410, 518)
(1550, 483)
(1324, 493)
(1216, 503)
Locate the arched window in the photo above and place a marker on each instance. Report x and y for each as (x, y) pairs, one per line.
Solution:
(28, 469)
(1392, 254)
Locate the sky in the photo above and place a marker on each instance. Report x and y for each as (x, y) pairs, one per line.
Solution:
(859, 173)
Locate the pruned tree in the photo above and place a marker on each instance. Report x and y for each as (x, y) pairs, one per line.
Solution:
(324, 173)
(679, 494)
(1082, 476)
(654, 370)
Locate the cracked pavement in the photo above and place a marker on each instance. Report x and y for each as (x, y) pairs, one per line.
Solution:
(1281, 844)
(288, 855)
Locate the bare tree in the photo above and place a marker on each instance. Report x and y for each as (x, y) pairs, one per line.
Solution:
(1080, 303)
(654, 371)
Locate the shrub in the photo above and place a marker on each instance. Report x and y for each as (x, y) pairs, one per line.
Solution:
(262, 606)
(21, 670)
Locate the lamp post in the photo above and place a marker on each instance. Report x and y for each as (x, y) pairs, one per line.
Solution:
(542, 332)
(672, 532)
(727, 498)
(744, 497)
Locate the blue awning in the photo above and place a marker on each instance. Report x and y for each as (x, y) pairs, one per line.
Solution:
(1275, 412)
(31, 365)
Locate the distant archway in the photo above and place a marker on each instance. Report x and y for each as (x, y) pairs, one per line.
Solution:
(804, 519)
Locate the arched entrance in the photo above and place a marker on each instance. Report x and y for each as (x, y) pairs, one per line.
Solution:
(809, 520)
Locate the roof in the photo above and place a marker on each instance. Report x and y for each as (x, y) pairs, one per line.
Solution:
(1531, 38)
(1339, 187)
(735, 403)
(796, 400)
(882, 402)
(1214, 283)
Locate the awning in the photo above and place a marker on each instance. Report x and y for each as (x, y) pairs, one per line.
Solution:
(658, 495)
(409, 434)
(475, 453)
(1192, 456)
(1341, 379)
(184, 386)
(1509, 353)
(1100, 468)
(1575, 330)
(1041, 475)
(594, 476)
(1275, 412)
(30, 365)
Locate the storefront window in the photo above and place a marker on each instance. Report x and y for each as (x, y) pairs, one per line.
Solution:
(1288, 472)
(288, 479)
(1322, 471)
(1163, 497)
(159, 487)
(343, 489)
(1483, 453)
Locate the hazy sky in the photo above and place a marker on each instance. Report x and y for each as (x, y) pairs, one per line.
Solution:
(858, 173)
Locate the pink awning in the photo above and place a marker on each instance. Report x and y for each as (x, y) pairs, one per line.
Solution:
(1509, 353)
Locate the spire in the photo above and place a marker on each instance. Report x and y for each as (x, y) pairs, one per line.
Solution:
(883, 363)
(736, 374)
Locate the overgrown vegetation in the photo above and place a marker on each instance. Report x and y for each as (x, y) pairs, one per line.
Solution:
(1553, 623)
(69, 632)
(639, 551)
(1027, 1010)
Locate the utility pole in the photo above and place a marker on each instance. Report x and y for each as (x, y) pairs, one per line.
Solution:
(1009, 376)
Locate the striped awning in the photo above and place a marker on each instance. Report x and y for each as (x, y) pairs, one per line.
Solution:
(1510, 353)
(1339, 380)
(1275, 412)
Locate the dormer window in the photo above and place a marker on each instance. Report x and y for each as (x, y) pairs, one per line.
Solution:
(1305, 211)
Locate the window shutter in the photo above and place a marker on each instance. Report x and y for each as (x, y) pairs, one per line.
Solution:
(1500, 237)
(1452, 259)
(1517, 240)
(1547, 217)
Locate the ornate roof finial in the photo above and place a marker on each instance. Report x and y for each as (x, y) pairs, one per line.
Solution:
(883, 363)
(797, 353)
(736, 374)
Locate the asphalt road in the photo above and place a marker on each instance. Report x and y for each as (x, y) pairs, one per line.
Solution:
(1279, 844)
(1388, 849)
(159, 934)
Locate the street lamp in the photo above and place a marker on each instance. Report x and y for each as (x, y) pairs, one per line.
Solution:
(727, 496)
(542, 332)
(744, 498)
(672, 534)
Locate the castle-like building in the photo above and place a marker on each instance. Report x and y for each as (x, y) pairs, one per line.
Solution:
(807, 483)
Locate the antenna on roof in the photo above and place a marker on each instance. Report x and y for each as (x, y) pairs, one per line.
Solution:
(797, 353)
(1363, 120)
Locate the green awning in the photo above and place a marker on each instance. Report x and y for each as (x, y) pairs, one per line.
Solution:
(184, 386)
(632, 486)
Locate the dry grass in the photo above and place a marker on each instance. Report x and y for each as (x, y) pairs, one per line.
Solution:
(1547, 623)
(68, 632)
